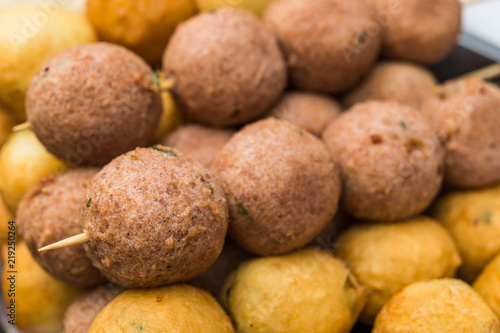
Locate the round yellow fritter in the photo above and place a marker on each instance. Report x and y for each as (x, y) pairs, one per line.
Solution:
(473, 220)
(388, 256)
(29, 35)
(444, 306)
(305, 291)
(487, 284)
(174, 309)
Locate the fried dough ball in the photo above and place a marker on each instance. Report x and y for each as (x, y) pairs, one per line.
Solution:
(304, 291)
(487, 284)
(397, 81)
(329, 44)
(473, 220)
(82, 311)
(153, 217)
(445, 306)
(390, 160)
(198, 141)
(91, 103)
(281, 185)
(178, 309)
(227, 67)
(308, 110)
(465, 114)
(386, 257)
(48, 213)
(422, 31)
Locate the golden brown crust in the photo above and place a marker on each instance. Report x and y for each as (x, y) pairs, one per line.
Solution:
(228, 68)
(328, 43)
(153, 217)
(198, 141)
(49, 213)
(390, 160)
(91, 103)
(281, 184)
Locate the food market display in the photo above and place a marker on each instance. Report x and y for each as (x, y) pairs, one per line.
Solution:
(274, 166)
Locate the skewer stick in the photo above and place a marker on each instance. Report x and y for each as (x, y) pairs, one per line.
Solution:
(487, 72)
(70, 241)
(20, 127)
(166, 83)
(470, 2)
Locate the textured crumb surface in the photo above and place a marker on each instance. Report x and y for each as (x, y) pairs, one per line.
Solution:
(91, 103)
(281, 184)
(82, 311)
(327, 43)
(227, 67)
(308, 110)
(390, 159)
(198, 141)
(153, 217)
(49, 213)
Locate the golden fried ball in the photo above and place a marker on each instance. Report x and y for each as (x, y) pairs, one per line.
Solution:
(305, 291)
(174, 309)
(388, 256)
(473, 220)
(487, 284)
(444, 306)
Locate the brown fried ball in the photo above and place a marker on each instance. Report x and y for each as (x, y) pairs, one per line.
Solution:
(444, 306)
(386, 257)
(48, 213)
(281, 184)
(390, 160)
(227, 67)
(153, 217)
(198, 141)
(213, 278)
(91, 103)
(465, 114)
(329, 44)
(422, 31)
(398, 81)
(82, 311)
(309, 110)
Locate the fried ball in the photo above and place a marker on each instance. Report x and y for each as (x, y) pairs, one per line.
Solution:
(487, 284)
(153, 217)
(397, 81)
(305, 291)
(227, 67)
(329, 44)
(213, 278)
(308, 110)
(421, 31)
(386, 257)
(465, 113)
(281, 185)
(445, 306)
(82, 311)
(198, 141)
(144, 27)
(473, 220)
(48, 213)
(390, 160)
(92, 103)
(179, 308)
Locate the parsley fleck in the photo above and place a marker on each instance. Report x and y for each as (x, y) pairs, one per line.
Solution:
(243, 210)
(164, 150)
(362, 37)
(89, 203)
(194, 217)
(487, 216)
(403, 124)
(301, 133)
(155, 79)
(209, 186)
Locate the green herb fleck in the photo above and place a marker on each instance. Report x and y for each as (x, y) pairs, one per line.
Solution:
(440, 170)
(362, 37)
(89, 203)
(137, 326)
(194, 217)
(155, 79)
(403, 124)
(301, 133)
(165, 151)
(167, 220)
(243, 210)
(487, 216)
(209, 186)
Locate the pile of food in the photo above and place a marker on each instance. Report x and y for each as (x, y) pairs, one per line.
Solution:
(245, 166)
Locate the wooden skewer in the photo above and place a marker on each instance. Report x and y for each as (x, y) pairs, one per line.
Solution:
(166, 83)
(470, 2)
(70, 241)
(20, 127)
(487, 72)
